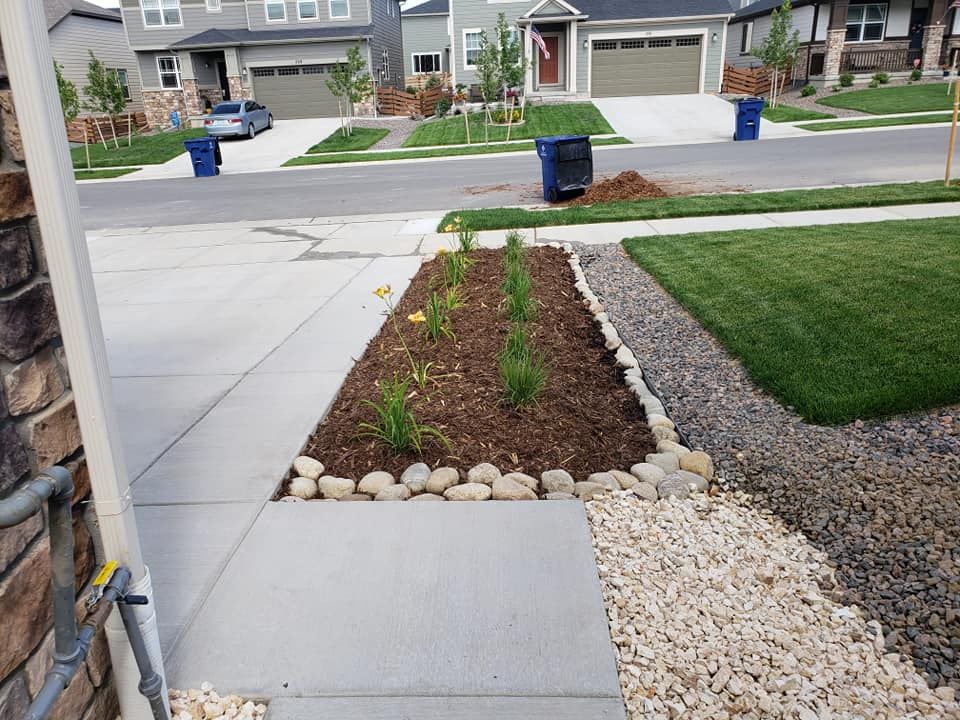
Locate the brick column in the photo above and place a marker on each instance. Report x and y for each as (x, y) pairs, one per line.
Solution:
(191, 97)
(237, 91)
(38, 428)
(836, 38)
(932, 46)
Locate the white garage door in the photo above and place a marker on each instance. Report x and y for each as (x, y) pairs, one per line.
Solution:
(295, 91)
(649, 66)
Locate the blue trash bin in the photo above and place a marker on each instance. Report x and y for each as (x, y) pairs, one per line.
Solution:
(748, 118)
(205, 156)
(567, 165)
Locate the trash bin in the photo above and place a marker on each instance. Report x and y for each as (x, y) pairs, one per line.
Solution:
(567, 164)
(205, 156)
(748, 118)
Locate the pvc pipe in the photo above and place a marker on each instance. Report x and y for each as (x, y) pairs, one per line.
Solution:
(26, 46)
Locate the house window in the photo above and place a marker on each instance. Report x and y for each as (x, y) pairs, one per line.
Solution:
(746, 38)
(385, 63)
(339, 9)
(471, 47)
(169, 69)
(161, 12)
(276, 10)
(307, 9)
(213, 6)
(122, 80)
(866, 22)
(426, 63)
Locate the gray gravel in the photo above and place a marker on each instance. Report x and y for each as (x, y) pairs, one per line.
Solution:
(880, 498)
(400, 129)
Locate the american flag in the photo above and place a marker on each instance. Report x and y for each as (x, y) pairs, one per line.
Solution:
(538, 39)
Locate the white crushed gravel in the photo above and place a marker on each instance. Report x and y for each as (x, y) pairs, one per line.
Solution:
(207, 704)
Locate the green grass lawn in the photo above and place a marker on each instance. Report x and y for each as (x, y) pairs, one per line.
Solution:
(788, 113)
(481, 149)
(361, 139)
(891, 100)
(540, 120)
(840, 322)
(702, 205)
(146, 150)
(879, 122)
(103, 174)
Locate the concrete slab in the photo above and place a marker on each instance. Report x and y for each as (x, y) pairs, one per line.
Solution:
(406, 600)
(599, 234)
(831, 217)
(249, 253)
(918, 212)
(387, 244)
(240, 450)
(142, 258)
(374, 230)
(421, 226)
(722, 223)
(430, 708)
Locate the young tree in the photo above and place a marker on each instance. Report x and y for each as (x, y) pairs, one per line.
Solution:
(778, 51)
(104, 92)
(511, 64)
(351, 83)
(69, 98)
(487, 72)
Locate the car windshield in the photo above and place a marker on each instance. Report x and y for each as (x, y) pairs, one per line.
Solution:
(226, 109)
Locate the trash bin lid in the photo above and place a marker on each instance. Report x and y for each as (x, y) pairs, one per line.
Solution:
(557, 139)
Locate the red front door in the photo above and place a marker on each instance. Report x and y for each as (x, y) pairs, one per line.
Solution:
(550, 69)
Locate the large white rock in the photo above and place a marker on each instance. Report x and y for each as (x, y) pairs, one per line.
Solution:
(605, 479)
(624, 479)
(666, 461)
(428, 497)
(662, 433)
(695, 482)
(483, 473)
(415, 477)
(334, 488)
(393, 493)
(468, 492)
(441, 479)
(373, 483)
(303, 487)
(589, 490)
(308, 467)
(668, 446)
(557, 481)
(626, 358)
(506, 488)
(698, 462)
(525, 480)
(657, 420)
(651, 473)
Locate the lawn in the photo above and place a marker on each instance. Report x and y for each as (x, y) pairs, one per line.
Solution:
(103, 174)
(541, 120)
(703, 205)
(481, 149)
(879, 122)
(788, 113)
(361, 139)
(146, 150)
(840, 322)
(892, 100)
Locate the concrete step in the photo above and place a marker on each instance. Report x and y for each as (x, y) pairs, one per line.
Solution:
(452, 708)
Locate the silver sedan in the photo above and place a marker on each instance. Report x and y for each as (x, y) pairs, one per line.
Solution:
(238, 118)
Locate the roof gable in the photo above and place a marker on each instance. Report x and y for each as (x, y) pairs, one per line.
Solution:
(600, 10)
(56, 10)
(552, 8)
(431, 7)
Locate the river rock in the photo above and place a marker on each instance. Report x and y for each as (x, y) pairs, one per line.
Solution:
(649, 472)
(666, 461)
(589, 490)
(658, 420)
(698, 462)
(468, 491)
(308, 467)
(624, 479)
(441, 479)
(393, 493)
(374, 482)
(695, 482)
(356, 497)
(525, 480)
(483, 473)
(559, 496)
(645, 491)
(605, 479)
(428, 497)
(415, 477)
(506, 488)
(335, 488)
(661, 433)
(304, 488)
(557, 481)
(673, 485)
(669, 446)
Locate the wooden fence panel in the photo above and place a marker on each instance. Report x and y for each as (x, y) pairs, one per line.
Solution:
(748, 81)
(397, 102)
(100, 126)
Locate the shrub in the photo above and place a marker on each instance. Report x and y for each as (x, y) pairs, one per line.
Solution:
(514, 248)
(516, 345)
(917, 74)
(437, 322)
(808, 90)
(395, 423)
(881, 78)
(443, 107)
(873, 85)
(835, 88)
(432, 82)
(411, 90)
(501, 117)
(846, 80)
(518, 287)
(524, 377)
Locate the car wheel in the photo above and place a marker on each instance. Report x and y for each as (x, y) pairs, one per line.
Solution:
(251, 131)
(270, 122)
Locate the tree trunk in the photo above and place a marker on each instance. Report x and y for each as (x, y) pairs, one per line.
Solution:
(343, 127)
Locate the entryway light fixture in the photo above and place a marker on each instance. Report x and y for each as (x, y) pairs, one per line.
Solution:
(714, 37)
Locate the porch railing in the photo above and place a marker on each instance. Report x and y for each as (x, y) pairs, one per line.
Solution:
(862, 61)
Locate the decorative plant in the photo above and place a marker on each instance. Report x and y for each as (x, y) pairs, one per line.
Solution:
(779, 48)
(846, 80)
(466, 239)
(442, 107)
(882, 78)
(350, 83)
(873, 84)
(520, 307)
(432, 82)
(524, 377)
(437, 319)
(104, 92)
(395, 423)
(916, 74)
(69, 98)
(419, 370)
(452, 299)
(454, 269)
(808, 90)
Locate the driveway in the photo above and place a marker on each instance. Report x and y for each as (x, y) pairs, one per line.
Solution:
(267, 151)
(679, 119)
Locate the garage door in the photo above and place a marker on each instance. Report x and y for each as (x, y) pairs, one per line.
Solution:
(653, 66)
(295, 91)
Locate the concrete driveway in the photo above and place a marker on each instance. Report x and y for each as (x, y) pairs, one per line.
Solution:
(679, 119)
(267, 151)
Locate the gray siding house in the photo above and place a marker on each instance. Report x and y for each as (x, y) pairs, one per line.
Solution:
(277, 52)
(76, 27)
(426, 38)
(602, 48)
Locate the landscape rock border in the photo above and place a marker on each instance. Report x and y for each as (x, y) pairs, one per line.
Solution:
(675, 470)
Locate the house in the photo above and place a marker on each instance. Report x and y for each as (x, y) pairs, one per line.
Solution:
(854, 36)
(76, 27)
(277, 52)
(426, 38)
(596, 48)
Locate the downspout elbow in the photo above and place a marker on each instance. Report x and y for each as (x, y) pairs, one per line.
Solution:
(53, 484)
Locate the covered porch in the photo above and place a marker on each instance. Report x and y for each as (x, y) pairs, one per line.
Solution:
(551, 72)
(210, 76)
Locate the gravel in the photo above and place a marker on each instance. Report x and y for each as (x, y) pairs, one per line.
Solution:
(400, 129)
(881, 498)
(207, 704)
(717, 612)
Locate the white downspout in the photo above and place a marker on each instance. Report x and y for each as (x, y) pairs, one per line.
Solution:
(23, 30)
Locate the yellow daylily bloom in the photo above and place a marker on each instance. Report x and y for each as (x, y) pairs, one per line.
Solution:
(441, 252)
(382, 291)
(449, 228)
(417, 318)
(458, 220)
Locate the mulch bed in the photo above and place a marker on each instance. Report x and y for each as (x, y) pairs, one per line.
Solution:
(585, 421)
(628, 185)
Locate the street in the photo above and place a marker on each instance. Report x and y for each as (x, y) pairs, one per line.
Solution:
(492, 181)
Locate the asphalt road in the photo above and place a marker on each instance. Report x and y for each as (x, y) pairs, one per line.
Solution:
(491, 181)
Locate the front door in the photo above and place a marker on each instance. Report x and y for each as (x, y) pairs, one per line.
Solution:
(550, 69)
(918, 20)
(224, 83)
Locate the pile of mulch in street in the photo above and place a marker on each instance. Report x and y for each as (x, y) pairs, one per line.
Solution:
(585, 421)
(881, 498)
(628, 185)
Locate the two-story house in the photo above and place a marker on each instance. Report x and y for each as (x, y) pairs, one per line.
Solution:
(593, 48)
(278, 52)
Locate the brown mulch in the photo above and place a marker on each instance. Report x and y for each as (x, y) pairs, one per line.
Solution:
(585, 421)
(628, 185)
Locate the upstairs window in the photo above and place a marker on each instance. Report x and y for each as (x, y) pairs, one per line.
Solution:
(339, 9)
(307, 9)
(157, 13)
(866, 22)
(746, 38)
(276, 10)
(213, 6)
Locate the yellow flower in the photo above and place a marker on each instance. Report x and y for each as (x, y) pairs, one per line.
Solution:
(417, 318)
(458, 220)
(450, 228)
(441, 252)
(382, 291)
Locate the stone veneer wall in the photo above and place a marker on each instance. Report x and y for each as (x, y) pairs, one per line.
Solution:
(38, 428)
(157, 104)
(237, 90)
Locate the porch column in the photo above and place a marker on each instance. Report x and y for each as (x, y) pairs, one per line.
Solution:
(836, 36)
(528, 54)
(234, 78)
(574, 55)
(191, 88)
(933, 35)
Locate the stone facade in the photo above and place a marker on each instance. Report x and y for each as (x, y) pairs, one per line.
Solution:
(834, 53)
(159, 103)
(191, 97)
(237, 90)
(38, 427)
(932, 46)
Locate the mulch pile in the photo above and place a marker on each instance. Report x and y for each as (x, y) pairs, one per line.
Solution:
(585, 421)
(628, 185)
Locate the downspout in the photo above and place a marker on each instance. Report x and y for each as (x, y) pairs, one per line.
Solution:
(27, 49)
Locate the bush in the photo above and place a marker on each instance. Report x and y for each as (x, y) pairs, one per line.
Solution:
(808, 90)
(524, 377)
(873, 85)
(411, 90)
(395, 425)
(443, 106)
(835, 88)
(501, 117)
(881, 78)
(846, 80)
(432, 82)
(917, 74)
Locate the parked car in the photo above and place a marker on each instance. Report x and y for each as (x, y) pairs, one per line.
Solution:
(237, 118)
